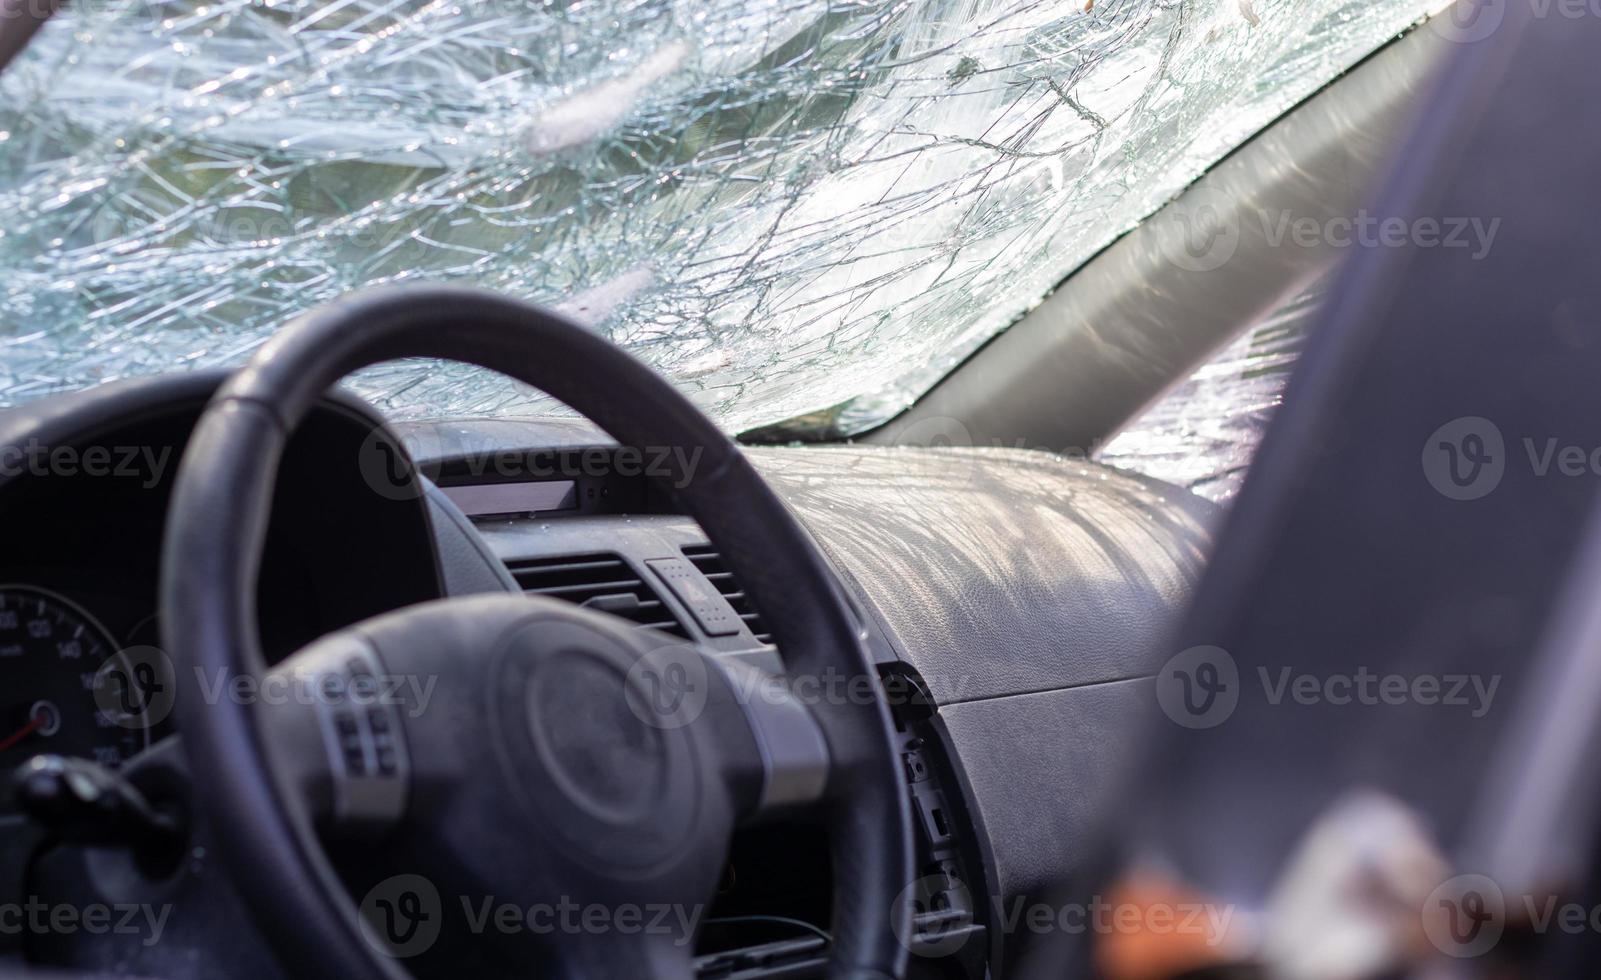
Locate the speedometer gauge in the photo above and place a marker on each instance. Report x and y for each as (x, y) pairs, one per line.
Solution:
(50, 654)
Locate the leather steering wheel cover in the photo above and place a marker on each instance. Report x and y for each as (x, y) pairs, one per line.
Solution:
(215, 535)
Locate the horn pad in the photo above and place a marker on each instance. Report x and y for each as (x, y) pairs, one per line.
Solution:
(618, 784)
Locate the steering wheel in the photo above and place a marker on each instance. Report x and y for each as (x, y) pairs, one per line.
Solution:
(563, 754)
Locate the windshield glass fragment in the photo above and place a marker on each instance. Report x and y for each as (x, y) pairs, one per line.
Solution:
(791, 208)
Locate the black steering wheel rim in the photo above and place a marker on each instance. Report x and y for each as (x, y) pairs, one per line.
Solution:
(214, 541)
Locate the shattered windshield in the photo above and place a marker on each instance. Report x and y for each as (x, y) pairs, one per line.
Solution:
(789, 207)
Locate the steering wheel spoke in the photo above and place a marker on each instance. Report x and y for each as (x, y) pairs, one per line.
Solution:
(334, 718)
(784, 762)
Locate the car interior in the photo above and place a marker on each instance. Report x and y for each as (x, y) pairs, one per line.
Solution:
(997, 683)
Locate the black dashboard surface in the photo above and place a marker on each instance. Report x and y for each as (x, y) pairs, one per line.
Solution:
(1027, 594)
(1001, 572)
(993, 572)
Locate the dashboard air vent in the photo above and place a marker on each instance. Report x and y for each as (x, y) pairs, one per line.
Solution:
(710, 563)
(605, 583)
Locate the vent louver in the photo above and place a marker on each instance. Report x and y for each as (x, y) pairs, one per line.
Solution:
(710, 563)
(605, 583)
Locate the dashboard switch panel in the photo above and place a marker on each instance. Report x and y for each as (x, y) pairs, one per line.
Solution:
(710, 609)
(361, 727)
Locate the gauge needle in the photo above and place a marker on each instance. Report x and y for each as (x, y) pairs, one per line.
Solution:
(22, 733)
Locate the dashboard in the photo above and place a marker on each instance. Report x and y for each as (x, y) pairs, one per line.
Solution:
(1011, 601)
(79, 575)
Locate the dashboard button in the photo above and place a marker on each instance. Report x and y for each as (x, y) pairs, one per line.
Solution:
(715, 616)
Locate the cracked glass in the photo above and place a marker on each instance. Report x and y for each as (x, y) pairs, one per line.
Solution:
(1203, 434)
(791, 208)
